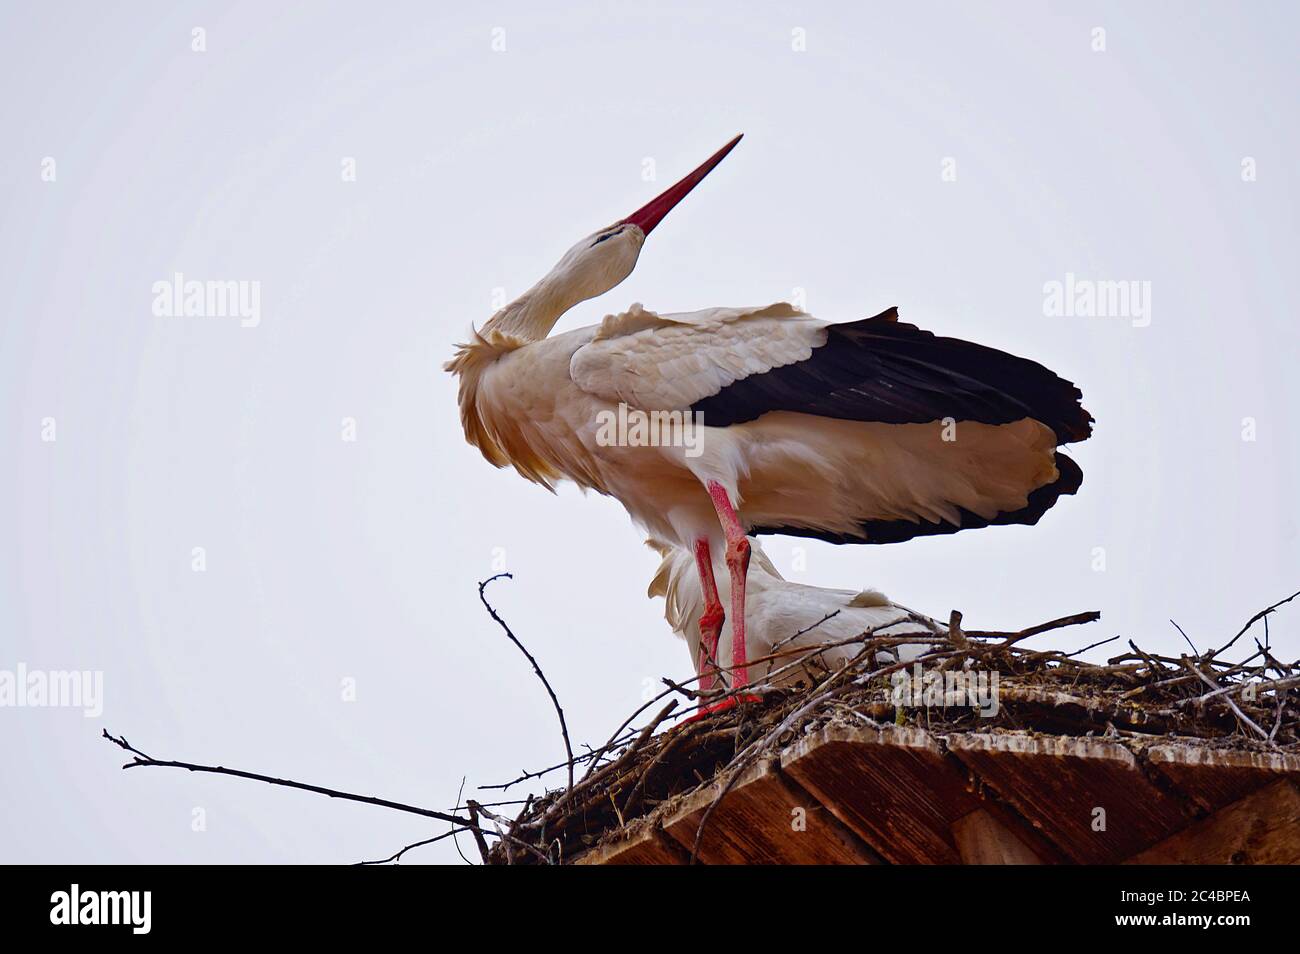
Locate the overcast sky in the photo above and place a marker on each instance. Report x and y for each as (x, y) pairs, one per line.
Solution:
(181, 508)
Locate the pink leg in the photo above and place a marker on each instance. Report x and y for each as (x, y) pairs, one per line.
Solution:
(712, 617)
(738, 563)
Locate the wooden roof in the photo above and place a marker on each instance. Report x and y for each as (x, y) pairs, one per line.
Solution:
(873, 793)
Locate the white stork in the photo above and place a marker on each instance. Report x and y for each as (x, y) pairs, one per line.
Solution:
(871, 431)
(792, 631)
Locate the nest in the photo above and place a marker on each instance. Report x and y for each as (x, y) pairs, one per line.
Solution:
(1138, 698)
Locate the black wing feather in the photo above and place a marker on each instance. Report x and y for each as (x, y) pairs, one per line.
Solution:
(882, 369)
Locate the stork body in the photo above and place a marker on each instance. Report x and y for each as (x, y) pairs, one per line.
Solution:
(794, 632)
(867, 432)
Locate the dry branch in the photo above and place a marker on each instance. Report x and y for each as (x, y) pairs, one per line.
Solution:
(141, 760)
(555, 701)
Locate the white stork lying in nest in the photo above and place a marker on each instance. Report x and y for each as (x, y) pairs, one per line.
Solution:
(871, 431)
(786, 624)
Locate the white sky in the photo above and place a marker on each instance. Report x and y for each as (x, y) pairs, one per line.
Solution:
(476, 169)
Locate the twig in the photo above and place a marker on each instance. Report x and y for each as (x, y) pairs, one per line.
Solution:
(1251, 622)
(618, 733)
(1056, 654)
(1275, 685)
(954, 631)
(1100, 642)
(1195, 651)
(142, 760)
(688, 693)
(460, 793)
(805, 631)
(1281, 708)
(1013, 638)
(564, 727)
(396, 856)
(472, 807)
(1228, 699)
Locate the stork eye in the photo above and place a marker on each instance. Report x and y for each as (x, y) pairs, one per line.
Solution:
(603, 237)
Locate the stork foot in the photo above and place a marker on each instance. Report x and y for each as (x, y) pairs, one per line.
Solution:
(722, 705)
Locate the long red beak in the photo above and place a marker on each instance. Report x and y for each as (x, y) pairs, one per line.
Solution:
(650, 215)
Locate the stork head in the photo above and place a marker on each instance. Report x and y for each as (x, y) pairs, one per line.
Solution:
(597, 263)
(607, 256)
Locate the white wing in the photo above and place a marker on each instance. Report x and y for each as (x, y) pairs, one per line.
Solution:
(668, 362)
